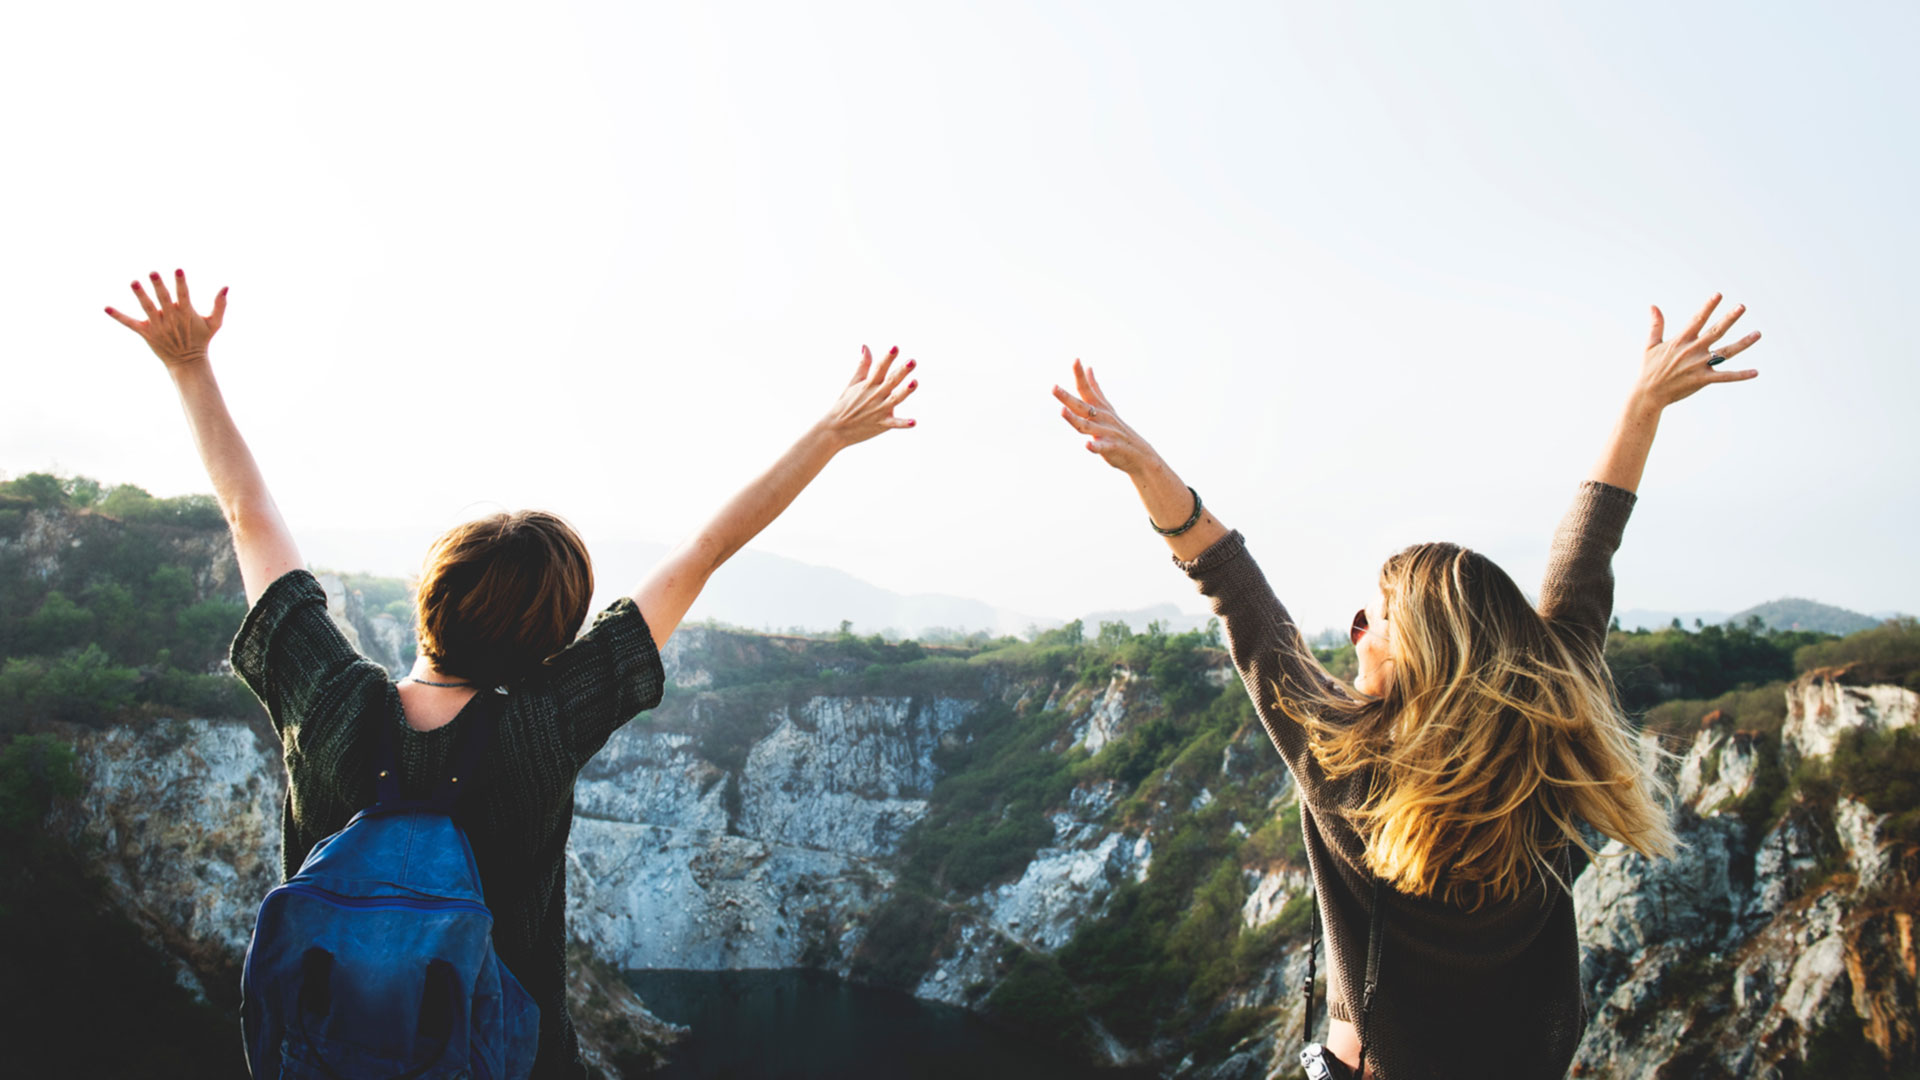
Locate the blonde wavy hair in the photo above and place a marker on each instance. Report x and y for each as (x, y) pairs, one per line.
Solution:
(1499, 733)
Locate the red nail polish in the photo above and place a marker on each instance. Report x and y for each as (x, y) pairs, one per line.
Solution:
(910, 364)
(913, 384)
(910, 423)
(177, 272)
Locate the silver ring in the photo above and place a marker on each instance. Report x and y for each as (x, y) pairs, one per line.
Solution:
(1714, 359)
(1092, 412)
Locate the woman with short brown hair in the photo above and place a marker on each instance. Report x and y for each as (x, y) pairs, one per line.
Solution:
(1442, 793)
(500, 602)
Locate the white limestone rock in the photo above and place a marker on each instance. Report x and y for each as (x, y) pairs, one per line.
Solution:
(1104, 720)
(1268, 893)
(187, 814)
(1062, 887)
(1821, 706)
(1718, 769)
(848, 775)
(1863, 834)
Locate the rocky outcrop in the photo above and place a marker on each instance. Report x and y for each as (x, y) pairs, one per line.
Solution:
(1102, 723)
(1823, 704)
(1749, 955)
(181, 818)
(680, 862)
(377, 636)
(50, 542)
(748, 824)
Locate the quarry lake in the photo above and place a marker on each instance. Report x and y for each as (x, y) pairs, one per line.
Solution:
(792, 1025)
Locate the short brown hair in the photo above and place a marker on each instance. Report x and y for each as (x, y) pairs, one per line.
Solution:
(500, 595)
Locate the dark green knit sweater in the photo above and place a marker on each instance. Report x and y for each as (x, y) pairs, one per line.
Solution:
(324, 698)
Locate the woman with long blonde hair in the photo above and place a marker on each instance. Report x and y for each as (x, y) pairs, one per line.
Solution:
(1442, 793)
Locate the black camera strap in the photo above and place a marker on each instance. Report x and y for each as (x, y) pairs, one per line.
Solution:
(1373, 971)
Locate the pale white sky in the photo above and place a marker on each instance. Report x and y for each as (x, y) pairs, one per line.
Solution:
(1365, 276)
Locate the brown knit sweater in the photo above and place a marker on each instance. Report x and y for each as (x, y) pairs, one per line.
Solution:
(324, 699)
(1487, 993)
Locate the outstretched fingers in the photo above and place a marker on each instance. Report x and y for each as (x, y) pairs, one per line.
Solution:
(905, 369)
(1074, 405)
(180, 289)
(1700, 320)
(137, 327)
(146, 304)
(219, 307)
(1738, 347)
(901, 391)
(160, 290)
(1719, 329)
(1083, 382)
(879, 376)
(1658, 333)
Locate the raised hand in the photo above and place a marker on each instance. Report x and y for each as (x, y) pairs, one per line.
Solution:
(175, 332)
(1673, 370)
(865, 407)
(1091, 414)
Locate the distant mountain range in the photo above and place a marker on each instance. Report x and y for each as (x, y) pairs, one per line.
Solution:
(1788, 613)
(760, 591)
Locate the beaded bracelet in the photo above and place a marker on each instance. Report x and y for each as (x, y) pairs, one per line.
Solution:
(1191, 522)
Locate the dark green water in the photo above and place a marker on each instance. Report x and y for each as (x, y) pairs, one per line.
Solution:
(799, 1025)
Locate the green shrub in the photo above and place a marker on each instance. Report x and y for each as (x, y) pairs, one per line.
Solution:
(1760, 709)
(1038, 1001)
(34, 771)
(1882, 770)
(1887, 653)
(80, 687)
(1219, 1037)
(57, 624)
(1280, 840)
(901, 939)
(1662, 665)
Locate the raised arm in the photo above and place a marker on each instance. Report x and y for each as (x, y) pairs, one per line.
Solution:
(1670, 371)
(864, 409)
(1169, 502)
(1266, 646)
(1578, 589)
(179, 336)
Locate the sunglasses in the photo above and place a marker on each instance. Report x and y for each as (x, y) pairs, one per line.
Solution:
(1359, 628)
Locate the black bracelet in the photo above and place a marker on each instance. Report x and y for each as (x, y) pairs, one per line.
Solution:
(1191, 522)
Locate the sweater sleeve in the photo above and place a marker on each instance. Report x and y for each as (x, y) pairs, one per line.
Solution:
(1269, 653)
(301, 667)
(1578, 591)
(606, 678)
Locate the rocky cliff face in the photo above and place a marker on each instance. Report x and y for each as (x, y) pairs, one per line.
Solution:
(1767, 948)
(751, 825)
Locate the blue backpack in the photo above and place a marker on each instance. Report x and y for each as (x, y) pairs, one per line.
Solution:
(376, 961)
